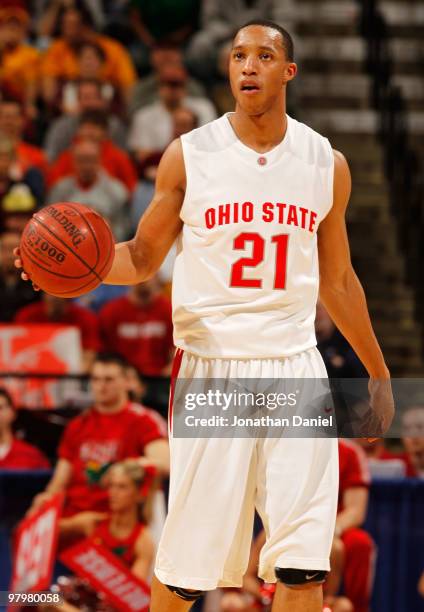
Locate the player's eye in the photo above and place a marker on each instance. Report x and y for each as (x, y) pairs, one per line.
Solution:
(265, 56)
(238, 55)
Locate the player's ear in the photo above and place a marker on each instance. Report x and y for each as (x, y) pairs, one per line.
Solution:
(290, 71)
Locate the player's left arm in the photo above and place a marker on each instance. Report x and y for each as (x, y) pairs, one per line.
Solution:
(344, 298)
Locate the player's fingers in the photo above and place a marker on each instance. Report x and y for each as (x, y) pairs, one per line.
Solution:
(371, 440)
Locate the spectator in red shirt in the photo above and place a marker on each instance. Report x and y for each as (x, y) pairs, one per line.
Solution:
(53, 309)
(93, 126)
(12, 125)
(16, 454)
(413, 438)
(138, 326)
(382, 462)
(112, 430)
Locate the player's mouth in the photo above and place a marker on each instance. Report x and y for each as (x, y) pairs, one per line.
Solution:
(249, 87)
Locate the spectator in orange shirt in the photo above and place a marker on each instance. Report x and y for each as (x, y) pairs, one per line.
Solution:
(53, 309)
(12, 124)
(94, 128)
(61, 60)
(20, 63)
(16, 454)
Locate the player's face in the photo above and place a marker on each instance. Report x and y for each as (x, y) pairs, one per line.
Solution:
(123, 493)
(259, 69)
(109, 384)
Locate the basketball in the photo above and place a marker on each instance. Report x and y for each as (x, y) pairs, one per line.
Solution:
(67, 249)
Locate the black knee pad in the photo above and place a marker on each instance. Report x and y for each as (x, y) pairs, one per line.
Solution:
(186, 594)
(296, 577)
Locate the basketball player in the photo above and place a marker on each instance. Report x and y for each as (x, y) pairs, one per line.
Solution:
(255, 198)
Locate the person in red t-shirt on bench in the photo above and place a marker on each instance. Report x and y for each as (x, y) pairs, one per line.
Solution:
(16, 454)
(112, 430)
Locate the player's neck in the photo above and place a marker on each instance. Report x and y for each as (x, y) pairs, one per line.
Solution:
(260, 132)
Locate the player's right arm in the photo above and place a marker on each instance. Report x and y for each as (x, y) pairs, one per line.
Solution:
(139, 259)
(57, 484)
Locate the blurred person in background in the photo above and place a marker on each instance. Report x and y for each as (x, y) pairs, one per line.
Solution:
(12, 125)
(47, 15)
(123, 530)
(19, 62)
(339, 358)
(20, 194)
(60, 62)
(413, 438)
(219, 20)
(152, 126)
(384, 463)
(93, 126)
(91, 61)
(14, 292)
(91, 184)
(62, 131)
(146, 90)
(138, 326)
(16, 454)
(184, 120)
(51, 309)
(112, 430)
(159, 21)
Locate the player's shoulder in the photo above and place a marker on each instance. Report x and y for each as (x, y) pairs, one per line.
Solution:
(308, 144)
(207, 138)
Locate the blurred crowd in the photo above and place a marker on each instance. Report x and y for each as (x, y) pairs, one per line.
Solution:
(91, 94)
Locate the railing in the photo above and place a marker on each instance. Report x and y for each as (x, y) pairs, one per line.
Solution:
(402, 164)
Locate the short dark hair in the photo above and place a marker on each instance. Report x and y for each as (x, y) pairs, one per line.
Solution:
(266, 23)
(109, 357)
(5, 393)
(99, 118)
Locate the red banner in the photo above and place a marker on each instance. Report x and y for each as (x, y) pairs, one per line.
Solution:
(35, 548)
(105, 573)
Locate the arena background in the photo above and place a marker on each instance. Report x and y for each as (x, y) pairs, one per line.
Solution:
(360, 84)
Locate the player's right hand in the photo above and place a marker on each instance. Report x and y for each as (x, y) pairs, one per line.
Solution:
(19, 265)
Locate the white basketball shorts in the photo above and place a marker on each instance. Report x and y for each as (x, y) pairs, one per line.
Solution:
(216, 484)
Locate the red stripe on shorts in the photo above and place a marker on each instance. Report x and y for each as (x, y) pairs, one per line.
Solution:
(176, 364)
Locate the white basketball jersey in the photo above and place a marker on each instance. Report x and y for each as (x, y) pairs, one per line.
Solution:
(246, 273)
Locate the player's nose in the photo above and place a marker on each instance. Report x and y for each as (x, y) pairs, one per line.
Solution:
(250, 66)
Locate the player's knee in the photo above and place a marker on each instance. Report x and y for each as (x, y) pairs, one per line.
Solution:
(299, 578)
(186, 594)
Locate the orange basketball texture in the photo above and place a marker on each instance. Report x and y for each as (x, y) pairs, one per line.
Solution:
(67, 249)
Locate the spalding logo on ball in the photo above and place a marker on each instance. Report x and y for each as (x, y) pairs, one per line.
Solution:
(67, 249)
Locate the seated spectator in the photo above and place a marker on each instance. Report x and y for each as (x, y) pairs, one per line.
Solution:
(152, 126)
(62, 131)
(413, 438)
(219, 20)
(113, 430)
(60, 63)
(184, 120)
(91, 61)
(146, 90)
(382, 462)
(93, 127)
(138, 326)
(159, 21)
(20, 63)
(12, 125)
(14, 292)
(91, 185)
(20, 196)
(339, 358)
(51, 309)
(16, 454)
(47, 15)
(123, 530)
